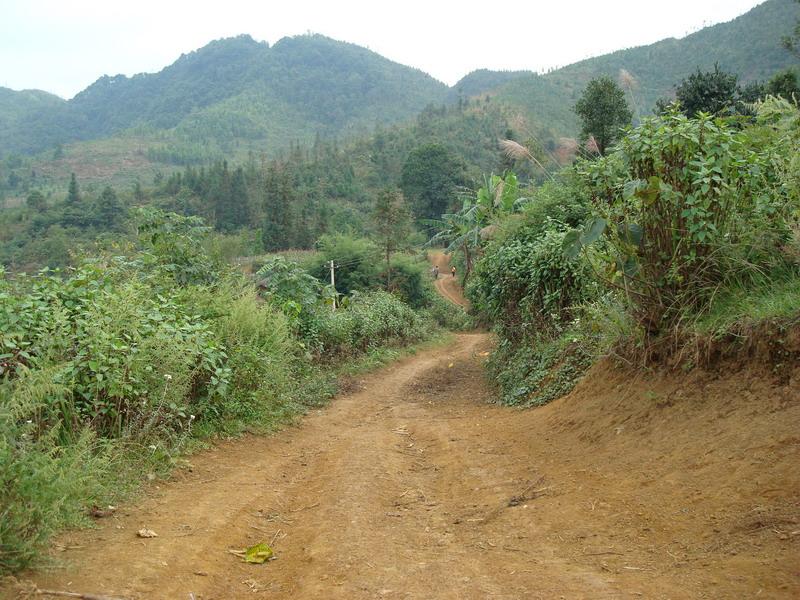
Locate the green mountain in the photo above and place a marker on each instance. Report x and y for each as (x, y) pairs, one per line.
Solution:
(28, 114)
(748, 46)
(239, 88)
(481, 81)
(236, 96)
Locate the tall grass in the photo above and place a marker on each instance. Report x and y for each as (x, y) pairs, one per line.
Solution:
(116, 368)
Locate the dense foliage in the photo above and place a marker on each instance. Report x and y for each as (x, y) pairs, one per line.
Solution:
(603, 111)
(108, 370)
(430, 180)
(689, 225)
(712, 92)
(687, 206)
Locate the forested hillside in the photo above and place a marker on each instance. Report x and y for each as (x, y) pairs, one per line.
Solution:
(481, 81)
(236, 96)
(239, 88)
(747, 46)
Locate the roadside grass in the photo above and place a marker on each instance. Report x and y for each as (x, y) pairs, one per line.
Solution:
(775, 299)
(376, 358)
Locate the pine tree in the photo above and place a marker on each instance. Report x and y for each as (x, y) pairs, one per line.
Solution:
(73, 192)
(36, 202)
(109, 213)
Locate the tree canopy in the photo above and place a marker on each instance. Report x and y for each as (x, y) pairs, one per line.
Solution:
(603, 111)
(714, 92)
(430, 179)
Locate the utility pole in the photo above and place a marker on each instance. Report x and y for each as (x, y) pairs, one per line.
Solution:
(333, 285)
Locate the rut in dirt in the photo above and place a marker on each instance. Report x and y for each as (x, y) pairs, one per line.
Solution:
(401, 490)
(415, 486)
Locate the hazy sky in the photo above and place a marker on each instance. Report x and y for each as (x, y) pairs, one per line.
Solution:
(64, 45)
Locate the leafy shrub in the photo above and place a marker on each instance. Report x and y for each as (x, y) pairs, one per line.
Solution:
(259, 347)
(534, 374)
(367, 321)
(357, 261)
(562, 201)
(175, 245)
(287, 285)
(682, 206)
(409, 279)
(115, 360)
(527, 286)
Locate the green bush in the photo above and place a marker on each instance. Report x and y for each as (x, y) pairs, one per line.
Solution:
(357, 261)
(259, 347)
(410, 274)
(367, 321)
(685, 205)
(527, 286)
(532, 374)
(108, 366)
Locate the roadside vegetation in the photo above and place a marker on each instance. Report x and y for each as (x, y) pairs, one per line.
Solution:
(678, 245)
(118, 366)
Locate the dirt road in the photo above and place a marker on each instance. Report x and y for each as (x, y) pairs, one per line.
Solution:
(413, 486)
(401, 490)
(446, 284)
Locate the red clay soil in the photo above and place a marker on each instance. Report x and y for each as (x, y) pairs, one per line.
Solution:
(414, 486)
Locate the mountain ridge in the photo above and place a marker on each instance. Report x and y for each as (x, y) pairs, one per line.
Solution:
(236, 95)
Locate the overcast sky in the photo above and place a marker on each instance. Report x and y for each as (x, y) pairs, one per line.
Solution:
(62, 46)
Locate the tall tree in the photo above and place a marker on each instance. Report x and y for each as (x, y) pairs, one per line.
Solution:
(278, 203)
(430, 180)
(392, 222)
(603, 111)
(73, 192)
(711, 92)
(74, 213)
(109, 212)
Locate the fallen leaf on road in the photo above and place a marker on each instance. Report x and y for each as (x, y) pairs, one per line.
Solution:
(146, 533)
(258, 554)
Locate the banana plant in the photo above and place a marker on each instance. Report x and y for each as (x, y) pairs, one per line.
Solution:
(499, 195)
(461, 231)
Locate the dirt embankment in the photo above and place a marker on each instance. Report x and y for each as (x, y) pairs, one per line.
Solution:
(414, 487)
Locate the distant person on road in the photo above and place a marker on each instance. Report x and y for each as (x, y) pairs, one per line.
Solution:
(436, 272)
(453, 271)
